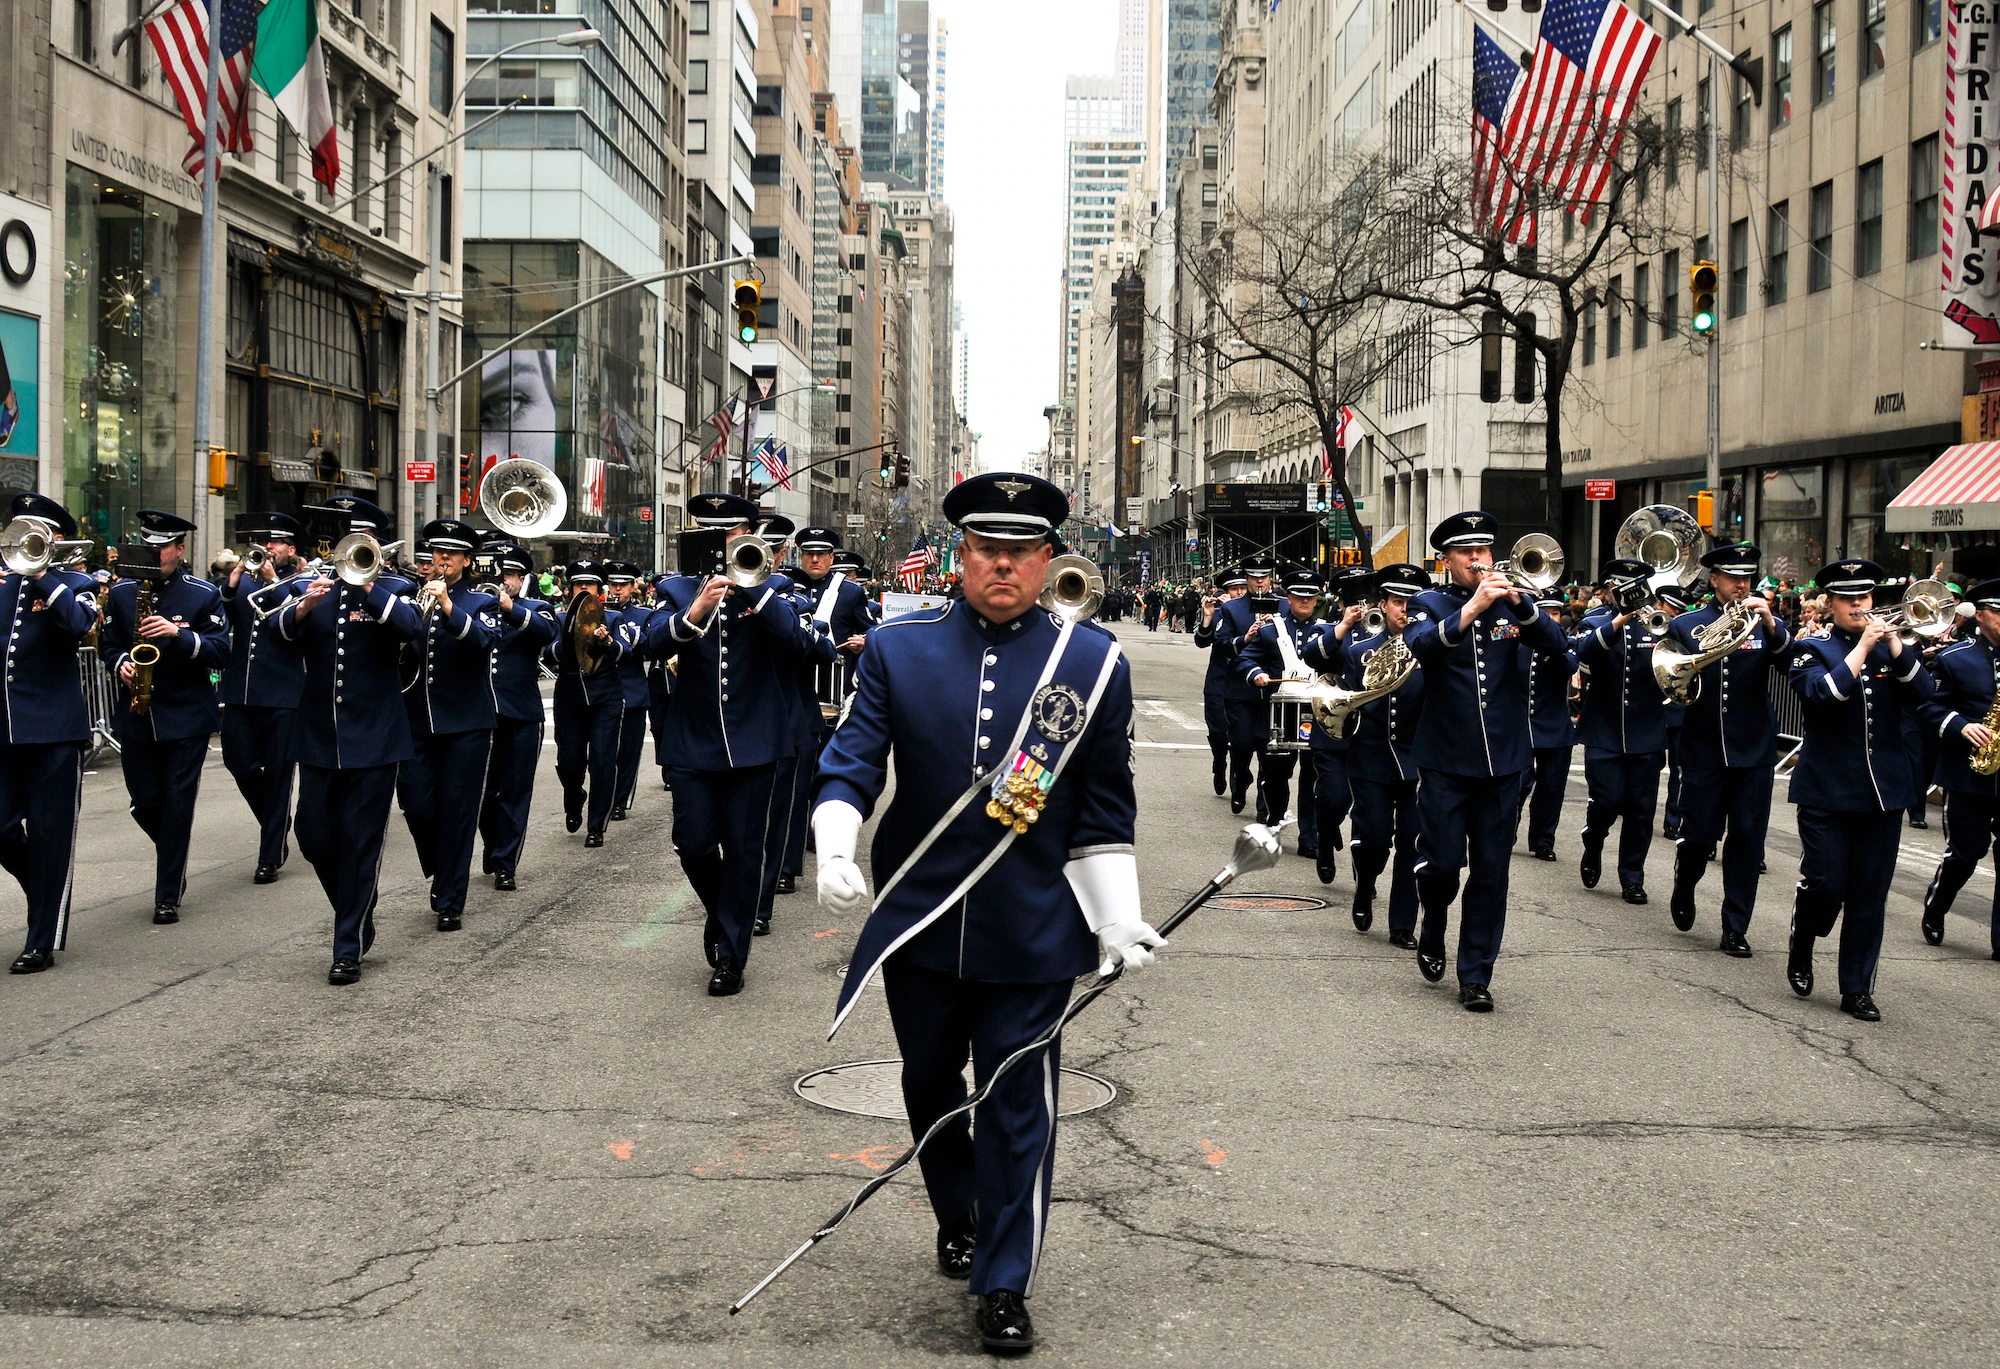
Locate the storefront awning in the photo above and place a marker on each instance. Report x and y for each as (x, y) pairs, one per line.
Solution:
(1960, 492)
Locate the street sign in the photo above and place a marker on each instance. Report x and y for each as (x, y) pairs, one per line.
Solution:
(857, 520)
(1135, 510)
(645, 513)
(421, 472)
(1600, 489)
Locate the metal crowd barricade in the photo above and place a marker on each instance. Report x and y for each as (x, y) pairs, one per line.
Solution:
(1791, 716)
(97, 698)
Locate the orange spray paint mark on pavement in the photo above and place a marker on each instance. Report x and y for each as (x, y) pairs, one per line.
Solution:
(831, 931)
(620, 1150)
(1212, 1153)
(874, 1157)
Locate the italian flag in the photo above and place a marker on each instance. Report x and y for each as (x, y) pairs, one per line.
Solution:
(292, 70)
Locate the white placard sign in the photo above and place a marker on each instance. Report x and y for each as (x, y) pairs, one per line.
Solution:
(895, 604)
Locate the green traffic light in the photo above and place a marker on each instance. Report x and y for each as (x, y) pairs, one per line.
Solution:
(1704, 321)
(747, 333)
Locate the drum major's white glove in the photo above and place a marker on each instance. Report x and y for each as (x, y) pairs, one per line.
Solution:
(1106, 885)
(836, 826)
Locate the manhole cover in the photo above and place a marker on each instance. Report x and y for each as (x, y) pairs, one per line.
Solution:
(874, 1088)
(1266, 903)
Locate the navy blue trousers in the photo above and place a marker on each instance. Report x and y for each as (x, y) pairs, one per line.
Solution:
(1327, 800)
(1628, 787)
(1465, 823)
(1274, 790)
(347, 814)
(1920, 743)
(40, 788)
(1385, 815)
(257, 752)
(1845, 868)
(1249, 724)
(631, 751)
(1737, 800)
(1215, 713)
(510, 790)
(162, 780)
(798, 783)
(1544, 784)
(657, 703)
(1676, 808)
(441, 790)
(729, 831)
(1005, 1165)
(587, 737)
(1970, 823)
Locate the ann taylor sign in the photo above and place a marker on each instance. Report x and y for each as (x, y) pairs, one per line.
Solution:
(1971, 275)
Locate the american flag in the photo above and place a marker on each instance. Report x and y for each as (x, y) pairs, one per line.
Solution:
(180, 37)
(773, 456)
(1499, 202)
(724, 420)
(920, 559)
(1564, 127)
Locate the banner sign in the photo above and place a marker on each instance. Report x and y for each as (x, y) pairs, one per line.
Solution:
(1966, 176)
(896, 604)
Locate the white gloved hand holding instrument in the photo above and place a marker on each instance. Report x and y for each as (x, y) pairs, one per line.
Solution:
(836, 827)
(1106, 884)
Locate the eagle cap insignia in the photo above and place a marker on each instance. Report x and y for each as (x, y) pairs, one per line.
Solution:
(1013, 489)
(1057, 712)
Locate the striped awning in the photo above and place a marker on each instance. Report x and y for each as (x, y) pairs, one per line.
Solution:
(1960, 492)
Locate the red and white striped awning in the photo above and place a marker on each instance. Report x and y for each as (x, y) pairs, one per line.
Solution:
(1960, 492)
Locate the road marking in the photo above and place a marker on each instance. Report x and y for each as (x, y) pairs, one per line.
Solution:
(620, 1150)
(1172, 746)
(660, 919)
(1160, 708)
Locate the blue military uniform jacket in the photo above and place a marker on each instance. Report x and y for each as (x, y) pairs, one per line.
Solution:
(1853, 759)
(184, 701)
(850, 608)
(1623, 709)
(1967, 673)
(1258, 653)
(816, 652)
(453, 691)
(632, 665)
(350, 711)
(1546, 680)
(1476, 697)
(606, 682)
(1731, 722)
(49, 616)
(517, 660)
(1231, 626)
(1220, 658)
(1382, 740)
(949, 692)
(736, 694)
(264, 670)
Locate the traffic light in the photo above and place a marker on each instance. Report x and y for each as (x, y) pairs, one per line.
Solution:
(887, 469)
(749, 298)
(1490, 325)
(902, 471)
(1701, 282)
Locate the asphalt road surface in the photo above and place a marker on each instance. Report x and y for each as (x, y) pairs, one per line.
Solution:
(537, 1141)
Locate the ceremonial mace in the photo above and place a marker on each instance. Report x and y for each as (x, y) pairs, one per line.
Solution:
(1256, 849)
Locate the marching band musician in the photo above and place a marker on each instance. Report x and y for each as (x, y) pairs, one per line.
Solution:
(1623, 727)
(261, 684)
(984, 917)
(1325, 795)
(352, 732)
(1381, 763)
(527, 629)
(1967, 673)
(1551, 738)
(1243, 705)
(659, 693)
(589, 707)
(842, 616)
(162, 748)
(1214, 706)
(1729, 749)
(1465, 635)
(734, 719)
(451, 706)
(622, 585)
(47, 728)
(1262, 660)
(1853, 780)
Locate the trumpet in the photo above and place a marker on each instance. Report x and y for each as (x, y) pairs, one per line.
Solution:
(1073, 588)
(1373, 622)
(28, 548)
(747, 563)
(1657, 622)
(254, 561)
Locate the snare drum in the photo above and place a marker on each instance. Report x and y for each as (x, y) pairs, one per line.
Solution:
(1291, 720)
(834, 685)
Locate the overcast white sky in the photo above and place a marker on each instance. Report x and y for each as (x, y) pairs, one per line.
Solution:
(1006, 64)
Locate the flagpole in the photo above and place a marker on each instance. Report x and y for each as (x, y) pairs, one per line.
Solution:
(205, 325)
(1526, 45)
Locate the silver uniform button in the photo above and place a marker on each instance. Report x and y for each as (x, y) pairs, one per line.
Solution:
(985, 742)
(986, 685)
(725, 698)
(985, 713)
(991, 659)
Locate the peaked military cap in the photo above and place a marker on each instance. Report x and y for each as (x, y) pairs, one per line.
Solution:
(1403, 578)
(1733, 558)
(717, 510)
(1851, 579)
(158, 528)
(1473, 528)
(1010, 504)
(27, 505)
(448, 534)
(816, 538)
(584, 571)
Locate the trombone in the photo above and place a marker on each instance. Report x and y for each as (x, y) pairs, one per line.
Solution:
(28, 548)
(1928, 610)
(747, 564)
(1535, 564)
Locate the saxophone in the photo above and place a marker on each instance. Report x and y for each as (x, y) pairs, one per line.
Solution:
(1986, 759)
(144, 654)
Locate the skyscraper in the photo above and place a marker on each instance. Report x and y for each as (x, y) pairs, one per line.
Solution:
(1099, 170)
(936, 120)
(1194, 42)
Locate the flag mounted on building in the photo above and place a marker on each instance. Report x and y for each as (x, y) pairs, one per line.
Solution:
(1563, 131)
(774, 457)
(920, 560)
(291, 68)
(180, 39)
(1500, 206)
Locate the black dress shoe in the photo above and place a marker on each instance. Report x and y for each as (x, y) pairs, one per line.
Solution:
(1543, 853)
(1405, 940)
(618, 815)
(711, 941)
(1235, 804)
(1934, 927)
(761, 927)
(726, 980)
(1734, 944)
(1003, 1321)
(503, 880)
(955, 1246)
(1921, 826)
(266, 874)
(1635, 894)
(1307, 850)
(1364, 909)
(32, 962)
(788, 884)
(1593, 863)
(344, 972)
(1431, 962)
(1860, 1006)
(591, 839)
(1263, 813)
(572, 821)
(1327, 862)
(1221, 780)
(450, 922)
(1798, 962)
(1672, 830)
(1680, 904)
(1475, 998)
(165, 913)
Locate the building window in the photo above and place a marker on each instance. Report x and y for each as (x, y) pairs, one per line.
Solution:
(135, 46)
(443, 64)
(1930, 21)
(1739, 268)
(1208, 156)
(1589, 334)
(1791, 517)
(698, 78)
(1642, 301)
(843, 403)
(1923, 197)
(1819, 267)
(1823, 52)
(698, 16)
(83, 30)
(1614, 318)
(1778, 246)
(1874, 36)
(1871, 484)
(1208, 194)
(1670, 295)
(1781, 77)
(770, 101)
(1739, 113)
(1673, 163)
(1868, 219)
(697, 136)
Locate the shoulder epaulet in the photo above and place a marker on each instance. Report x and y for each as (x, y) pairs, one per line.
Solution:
(197, 580)
(1955, 646)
